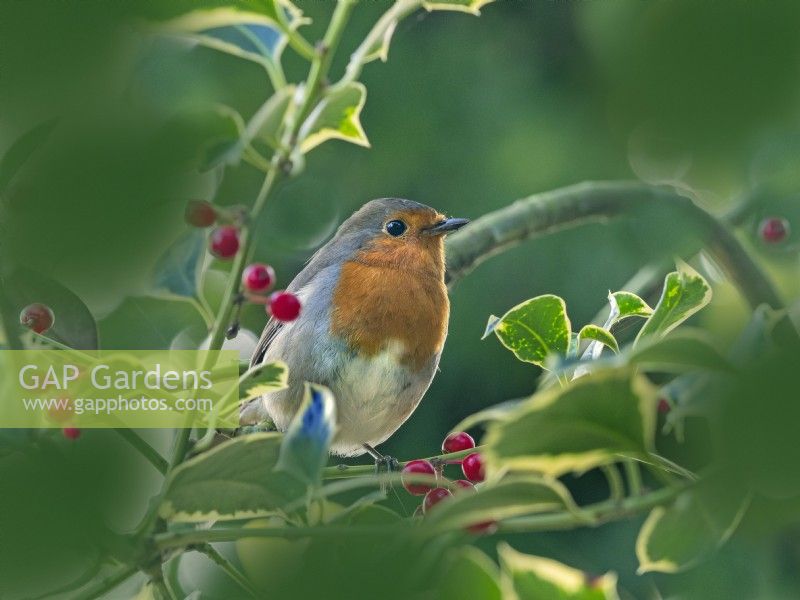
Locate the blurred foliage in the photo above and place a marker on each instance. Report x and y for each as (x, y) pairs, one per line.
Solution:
(467, 115)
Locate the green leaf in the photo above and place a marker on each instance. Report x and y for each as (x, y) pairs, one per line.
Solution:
(381, 47)
(263, 378)
(589, 423)
(493, 413)
(470, 574)
(679, 351)
(74, 324)
(538, 578)
(22, 149)
(304, 450)
(679, 536)
(627, 304)
(235, 480)
(534, 329)
(148, 322)
(598, 334)
(336, 116)
(512, 497)
(468, 6)
(264, 33)
(265, 123)
(685, 292)
(178, 270)
(224, 142)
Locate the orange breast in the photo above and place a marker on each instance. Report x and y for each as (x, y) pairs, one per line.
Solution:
(393, 293)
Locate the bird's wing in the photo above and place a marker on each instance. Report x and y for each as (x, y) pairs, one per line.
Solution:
(318, 261)
(270, 331)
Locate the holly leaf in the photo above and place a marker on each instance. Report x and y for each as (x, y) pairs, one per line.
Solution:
(512, 497)
(265, 123)
(677, 537)
(685, 292)
(680, 351)
(178, 270)
(468, 6)
(537, 578)
(304, 450)
(263, 378)
(235, 480)
(534, 330)
(493, 413)
(627, 304)
(470, 574)
(23, 148)
(336, 116)
(598, 334)
(591, 422)
(74, 323)
(256, 32)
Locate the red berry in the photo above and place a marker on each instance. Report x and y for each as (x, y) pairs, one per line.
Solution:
(456, 442)
(258, 277)
(71, 433)
(467, 485)
(417, 467)
(433, 498)
(664, 406)
(284, 306)
(200, 213)
(483, 528)
(774, 230)
(37, 317)
(225, 242)
(473, 467)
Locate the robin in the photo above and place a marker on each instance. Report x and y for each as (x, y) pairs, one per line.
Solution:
(374, 320)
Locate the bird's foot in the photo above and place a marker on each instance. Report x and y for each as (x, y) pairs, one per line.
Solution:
(383, 464)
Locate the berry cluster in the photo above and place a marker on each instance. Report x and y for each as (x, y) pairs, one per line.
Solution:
(472, 467)
(257, 278)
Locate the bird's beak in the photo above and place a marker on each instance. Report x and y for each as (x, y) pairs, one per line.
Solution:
(446, 226)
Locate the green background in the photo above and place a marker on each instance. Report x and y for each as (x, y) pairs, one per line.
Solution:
(468, 115)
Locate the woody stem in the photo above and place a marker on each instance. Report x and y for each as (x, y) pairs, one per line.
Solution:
(342, 471)
(544, 213)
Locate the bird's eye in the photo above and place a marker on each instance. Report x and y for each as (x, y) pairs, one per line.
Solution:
(396, 228)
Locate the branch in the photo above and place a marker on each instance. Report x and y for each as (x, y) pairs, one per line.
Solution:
(594, 514)
(105, 585)
(599, 201)
(383, 27)
(145, 449)
(342, 471)
(229, 569)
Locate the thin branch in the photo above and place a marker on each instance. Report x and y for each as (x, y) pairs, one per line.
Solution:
(341, 471)
(385, 25)
(615, 485)
(594, 514)
(599, 201)
(180, 539)
(105, 585)
(145, 449)
(634, 477)
(229, 569)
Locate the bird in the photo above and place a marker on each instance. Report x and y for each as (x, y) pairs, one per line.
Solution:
(374, 320)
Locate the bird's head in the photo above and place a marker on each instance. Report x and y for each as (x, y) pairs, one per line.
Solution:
(394, 232)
